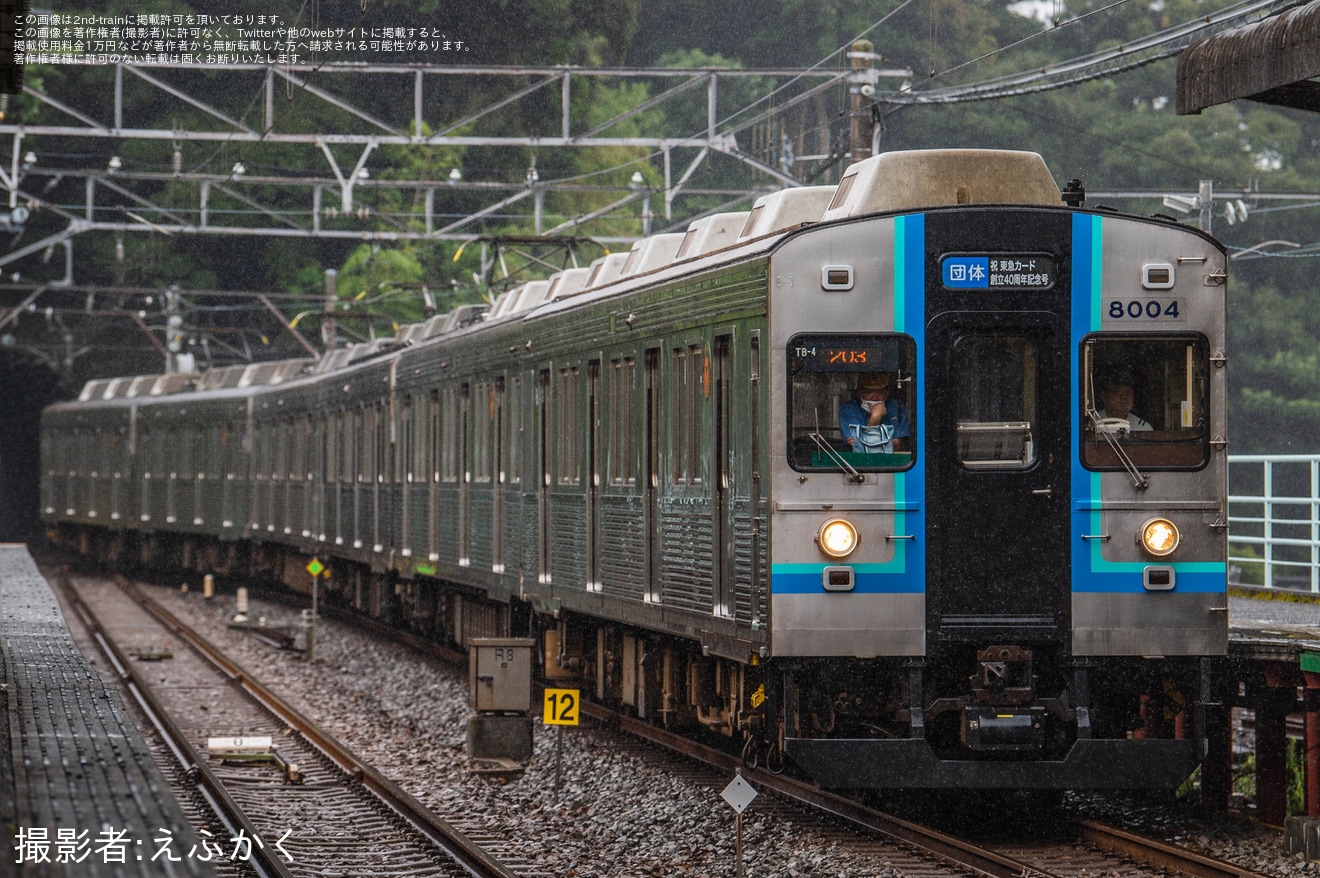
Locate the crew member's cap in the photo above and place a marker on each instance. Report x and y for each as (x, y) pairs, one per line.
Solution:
(876, 381)
(1114, 377)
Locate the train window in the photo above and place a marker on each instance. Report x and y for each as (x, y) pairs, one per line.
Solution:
(448, 436)
(623, 432)
(690, 388)
(1145, 402)
(433, 437)
(279, 450)
(515, 420)
(483, 432)
(298, 459)
(834, 382)
(367, 458)
(380, 417)
(568, 409)
(995, 401)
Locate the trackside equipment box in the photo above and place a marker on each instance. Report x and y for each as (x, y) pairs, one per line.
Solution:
(500, 674)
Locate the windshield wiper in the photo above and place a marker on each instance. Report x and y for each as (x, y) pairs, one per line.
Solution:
(823, 444)
(1139, 480)
(837, 458)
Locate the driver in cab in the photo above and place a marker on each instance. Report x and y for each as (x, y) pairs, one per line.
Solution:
(874, 421)
(1117, 395)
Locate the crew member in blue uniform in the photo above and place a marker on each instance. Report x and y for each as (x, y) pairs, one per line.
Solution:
(875, 421)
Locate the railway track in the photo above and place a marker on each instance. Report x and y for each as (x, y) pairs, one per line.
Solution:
(1094, 849)
(915, 850)
(317, 809)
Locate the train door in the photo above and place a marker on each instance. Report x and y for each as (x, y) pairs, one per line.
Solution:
(999, 433)
(340, 477)
(404, 468)
(119, 471)
(383, 521)
(498, 466)
(543, 476)
(370, 487)
(433, 477)
(722, 477)
(295, 517)
(593, 476)
(511, 477)
(465, 473)
(357, 446)
(325, 461)
(171, 480)
(651, 474)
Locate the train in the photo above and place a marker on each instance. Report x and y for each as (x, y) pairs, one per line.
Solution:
(1008, 572)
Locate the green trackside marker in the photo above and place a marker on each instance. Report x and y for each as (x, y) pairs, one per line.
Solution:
(315, 568)
(1311, 662)
(425, 569)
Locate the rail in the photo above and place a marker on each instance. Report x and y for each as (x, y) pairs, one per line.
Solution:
(1274, 521)
(265, 863)
(466, 853)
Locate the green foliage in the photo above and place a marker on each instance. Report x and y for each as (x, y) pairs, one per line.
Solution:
(1244, 776)
(378, 283)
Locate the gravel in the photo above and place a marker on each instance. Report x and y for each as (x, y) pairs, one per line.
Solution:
(617, 813)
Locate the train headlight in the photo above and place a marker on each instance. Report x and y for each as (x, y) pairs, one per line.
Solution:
(1159, 537)
(837, 538)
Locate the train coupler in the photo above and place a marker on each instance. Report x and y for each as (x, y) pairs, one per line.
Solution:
(1003, 729)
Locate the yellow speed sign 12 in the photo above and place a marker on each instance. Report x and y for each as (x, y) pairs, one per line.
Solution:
(561, 707)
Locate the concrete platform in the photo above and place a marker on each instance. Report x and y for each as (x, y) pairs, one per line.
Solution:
(80, 792)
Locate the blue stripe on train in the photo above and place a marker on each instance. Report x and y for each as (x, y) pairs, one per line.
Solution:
(879, 579)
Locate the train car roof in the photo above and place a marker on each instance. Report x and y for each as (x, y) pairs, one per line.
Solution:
(566, 283)
(529, 296)
(651, 253)
(334, 359)
(915, 179)
(463, 315)
(137, 386)
(605, 269)
(503, 302)
(711, 233)
(274, 372)
(411, 333)
(786, 209)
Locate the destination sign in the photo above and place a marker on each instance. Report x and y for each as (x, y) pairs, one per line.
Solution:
(839, 353)
(1006, 271)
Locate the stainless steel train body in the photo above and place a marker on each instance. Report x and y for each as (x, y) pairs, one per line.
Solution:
(649, 473)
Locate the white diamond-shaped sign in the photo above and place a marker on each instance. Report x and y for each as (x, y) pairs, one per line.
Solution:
(739, 794)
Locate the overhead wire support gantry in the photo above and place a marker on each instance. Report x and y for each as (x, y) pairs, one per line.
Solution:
(311, 201)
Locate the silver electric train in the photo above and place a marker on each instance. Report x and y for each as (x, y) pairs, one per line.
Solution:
(917, 481)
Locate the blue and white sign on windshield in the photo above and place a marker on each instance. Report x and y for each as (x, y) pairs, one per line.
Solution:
(1028, 271)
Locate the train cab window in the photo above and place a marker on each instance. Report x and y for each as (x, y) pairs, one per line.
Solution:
(995, 401)
(834, 382)
(1144, 402)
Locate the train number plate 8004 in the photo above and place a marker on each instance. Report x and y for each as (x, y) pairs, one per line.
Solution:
(1161, 309)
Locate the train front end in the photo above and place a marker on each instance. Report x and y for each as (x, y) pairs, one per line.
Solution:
(1014, 576)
